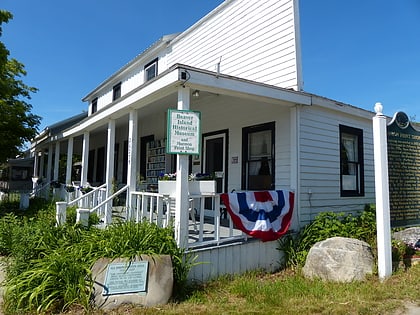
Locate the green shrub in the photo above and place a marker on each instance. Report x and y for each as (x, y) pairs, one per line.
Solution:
(54, 282)
(49, 267)
(326, 225)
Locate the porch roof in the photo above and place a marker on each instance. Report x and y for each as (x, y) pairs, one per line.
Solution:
(165, 87)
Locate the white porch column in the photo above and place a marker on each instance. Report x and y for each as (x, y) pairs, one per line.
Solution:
(109, 168)
(49, 162)
(132, 157)
(69, 161)
(36, 164)
(85, 159)
(35, 171)
(56, 160)
(383, 221)
(181, 204)
(41, 164)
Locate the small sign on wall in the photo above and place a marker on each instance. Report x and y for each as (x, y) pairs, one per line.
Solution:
(184, 132)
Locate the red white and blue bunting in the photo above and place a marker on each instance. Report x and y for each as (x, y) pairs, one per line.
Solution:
(262, 214)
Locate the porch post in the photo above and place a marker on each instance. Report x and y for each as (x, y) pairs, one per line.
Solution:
(36, 164)
(383, 221)
(109, 169)
(49, 162)
(69, 160)
(85, 159)
(181, 195)
(41, 164)
(36, 167)
(56, 160)
(132, 158)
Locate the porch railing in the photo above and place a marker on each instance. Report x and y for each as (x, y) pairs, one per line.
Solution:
(207, 225)
(212, 227)
(84, 203)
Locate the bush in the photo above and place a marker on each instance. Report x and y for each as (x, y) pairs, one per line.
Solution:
(326, 225)
(49, 269)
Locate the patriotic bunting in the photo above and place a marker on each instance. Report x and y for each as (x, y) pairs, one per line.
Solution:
(262, 214)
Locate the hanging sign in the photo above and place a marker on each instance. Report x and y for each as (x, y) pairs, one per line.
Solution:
(184, 132)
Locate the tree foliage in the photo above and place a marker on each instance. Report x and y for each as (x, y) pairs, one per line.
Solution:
(17, 124)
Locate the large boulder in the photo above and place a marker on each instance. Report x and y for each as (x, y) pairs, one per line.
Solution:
(158, 281)
(339, 259)
(409, 236)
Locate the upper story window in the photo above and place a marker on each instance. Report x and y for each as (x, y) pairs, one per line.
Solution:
(116, 91)
(151, 70)
(351, 161)
(94, 107)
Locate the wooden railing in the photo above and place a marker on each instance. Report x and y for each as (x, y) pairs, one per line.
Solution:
(212, 227)
(207, 226)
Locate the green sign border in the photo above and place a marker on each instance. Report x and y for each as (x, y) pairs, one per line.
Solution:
(169, 135)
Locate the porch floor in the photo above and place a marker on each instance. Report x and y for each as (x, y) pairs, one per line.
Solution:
(209, 231)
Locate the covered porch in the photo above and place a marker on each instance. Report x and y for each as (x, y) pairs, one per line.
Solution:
(118, 152)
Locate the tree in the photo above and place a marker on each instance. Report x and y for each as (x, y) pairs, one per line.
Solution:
(17, 124)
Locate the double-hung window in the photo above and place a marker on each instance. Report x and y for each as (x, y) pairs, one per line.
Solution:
(116, 91)
(151, 70)
(94, 107)
(351, 162)
(258, 157)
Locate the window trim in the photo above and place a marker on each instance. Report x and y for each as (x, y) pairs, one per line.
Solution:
(116, 91)
(94, 105)
(246, 131)
(148, 66)
(360, 176)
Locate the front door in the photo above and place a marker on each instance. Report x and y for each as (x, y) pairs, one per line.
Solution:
(214, 162)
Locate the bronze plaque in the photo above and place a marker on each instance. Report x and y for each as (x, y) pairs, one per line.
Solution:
(403, 171)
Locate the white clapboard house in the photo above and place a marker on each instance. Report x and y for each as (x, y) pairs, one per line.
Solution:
(239, 67)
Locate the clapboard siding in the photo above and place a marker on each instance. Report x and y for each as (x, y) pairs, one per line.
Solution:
(320, 162)
(235, 259)
(234, 114)
(255, 40)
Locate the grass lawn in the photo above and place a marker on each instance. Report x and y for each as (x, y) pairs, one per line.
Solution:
(288, 292)
(51, 267)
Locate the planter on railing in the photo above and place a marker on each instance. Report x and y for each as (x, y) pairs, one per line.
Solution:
(195, 187)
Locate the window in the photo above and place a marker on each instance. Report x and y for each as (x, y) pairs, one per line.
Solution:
(116, 91)
(351, 160)
(151, 70)
(94, 105)
(258, 157)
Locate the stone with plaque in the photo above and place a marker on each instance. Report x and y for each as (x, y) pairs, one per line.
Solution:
(144, 280)
(125, 278)
(403, 171)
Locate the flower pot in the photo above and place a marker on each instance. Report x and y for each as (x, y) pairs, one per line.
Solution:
(195, 187)
(202, 187)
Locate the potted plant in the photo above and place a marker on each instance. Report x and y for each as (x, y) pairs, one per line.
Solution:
(69, 188)
(198, 184)
(55, 184)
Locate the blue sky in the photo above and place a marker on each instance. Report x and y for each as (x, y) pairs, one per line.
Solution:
(358, 52)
